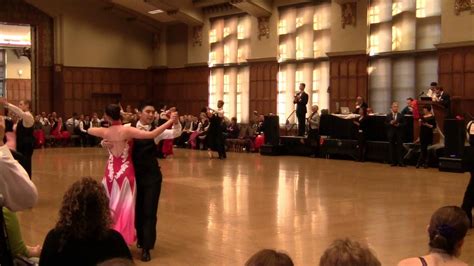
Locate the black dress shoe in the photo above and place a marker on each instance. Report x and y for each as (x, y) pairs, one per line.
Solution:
(393, 164)
(146, 255)
(401, 165)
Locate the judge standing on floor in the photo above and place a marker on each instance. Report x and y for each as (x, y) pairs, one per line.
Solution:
(301, 100)
(313, 129)
(395, 123)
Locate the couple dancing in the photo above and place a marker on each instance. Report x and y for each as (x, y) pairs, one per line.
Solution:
(132, 175)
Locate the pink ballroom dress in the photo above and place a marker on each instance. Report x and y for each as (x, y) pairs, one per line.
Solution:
(119, 182)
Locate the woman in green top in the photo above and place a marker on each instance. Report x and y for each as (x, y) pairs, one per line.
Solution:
(17, 246)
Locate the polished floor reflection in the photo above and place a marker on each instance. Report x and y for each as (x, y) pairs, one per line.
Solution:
(216, 212)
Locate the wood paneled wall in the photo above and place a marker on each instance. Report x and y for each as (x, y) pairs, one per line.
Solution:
(87, 90)
(456, 75)
(185, 88)
(348, 79)
(263, 87)
(18, 89)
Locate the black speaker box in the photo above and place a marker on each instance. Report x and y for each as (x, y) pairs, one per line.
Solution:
(454, 138)
(454, 165)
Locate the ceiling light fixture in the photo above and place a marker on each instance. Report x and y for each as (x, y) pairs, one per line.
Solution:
(156, 11)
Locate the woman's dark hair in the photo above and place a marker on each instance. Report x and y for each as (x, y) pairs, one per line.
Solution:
(427, 107)
(448, 226)
(84, 212)
(348, 252)
(269, 257)
(113, 111)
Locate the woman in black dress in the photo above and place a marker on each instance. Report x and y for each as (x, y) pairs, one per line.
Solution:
(427, 125)
(215, 136)
(361, 124)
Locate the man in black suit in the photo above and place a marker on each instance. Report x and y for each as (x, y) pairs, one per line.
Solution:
(301, 100)
(360, 104)
(148, 177)
(444, 99)
(395, 123)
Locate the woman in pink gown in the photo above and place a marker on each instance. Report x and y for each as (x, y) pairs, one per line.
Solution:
(119, 178)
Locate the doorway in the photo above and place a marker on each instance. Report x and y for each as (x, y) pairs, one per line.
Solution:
(16, 71)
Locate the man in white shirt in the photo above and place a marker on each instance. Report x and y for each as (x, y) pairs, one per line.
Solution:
(74, 122)
(44, 119)
(18, 191)
(432, 91)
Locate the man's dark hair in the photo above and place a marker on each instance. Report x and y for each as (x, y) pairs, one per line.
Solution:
(434, 84)
(144, 104)
(410, 99)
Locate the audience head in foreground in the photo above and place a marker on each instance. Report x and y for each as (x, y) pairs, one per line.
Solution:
(82, 235)
(447, 229)
(346, 252)
(269, 257)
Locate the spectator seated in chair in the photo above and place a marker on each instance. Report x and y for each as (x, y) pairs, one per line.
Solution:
(83, 234)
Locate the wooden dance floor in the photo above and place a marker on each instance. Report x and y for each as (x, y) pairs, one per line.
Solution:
(216, 212)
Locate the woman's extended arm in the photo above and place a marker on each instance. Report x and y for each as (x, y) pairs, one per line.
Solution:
(134, 133)
(96, 131)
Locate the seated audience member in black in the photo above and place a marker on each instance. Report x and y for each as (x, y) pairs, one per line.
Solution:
(233, 129)
(447, 229)
(346, 252)
(83, 234)
(269, 257)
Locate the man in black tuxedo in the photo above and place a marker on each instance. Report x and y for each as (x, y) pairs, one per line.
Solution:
(360, 104)
(444, 99)
(148, 178)
(301, 100)
(395, 123)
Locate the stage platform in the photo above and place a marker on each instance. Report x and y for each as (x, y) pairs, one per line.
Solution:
(377, 151)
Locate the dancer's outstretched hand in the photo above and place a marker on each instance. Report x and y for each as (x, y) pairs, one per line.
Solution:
(174, 117)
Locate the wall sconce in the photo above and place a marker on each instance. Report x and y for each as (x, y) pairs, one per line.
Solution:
(20, 72)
